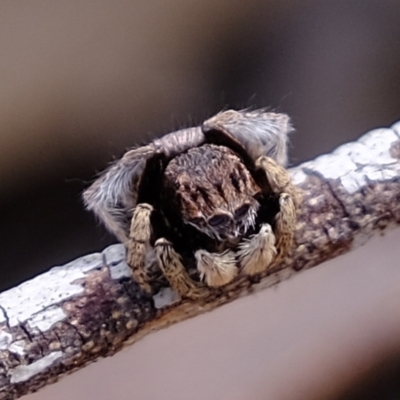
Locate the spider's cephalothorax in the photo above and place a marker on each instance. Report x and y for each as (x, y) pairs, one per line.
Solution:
(215, 197)
(213, 191)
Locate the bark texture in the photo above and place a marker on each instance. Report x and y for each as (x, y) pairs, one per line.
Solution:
(68, 317)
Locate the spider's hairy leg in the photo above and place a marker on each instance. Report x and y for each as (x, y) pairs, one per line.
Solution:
(285, 224)
(278, 178)
(138, 244)
(176, 274)
(217, 269)
(256, 253)
(289, 201)
(114, 194)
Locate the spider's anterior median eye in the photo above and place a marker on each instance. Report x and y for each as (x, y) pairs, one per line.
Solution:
(219, 219)
(242, 211)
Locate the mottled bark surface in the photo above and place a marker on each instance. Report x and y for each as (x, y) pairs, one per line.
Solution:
(71, 315)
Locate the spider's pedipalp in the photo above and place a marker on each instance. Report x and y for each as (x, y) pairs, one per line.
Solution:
(217, 269)
(278, 178)
(176, 274)
(257, 252)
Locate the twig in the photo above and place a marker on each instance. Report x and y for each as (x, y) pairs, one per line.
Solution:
(90, 308)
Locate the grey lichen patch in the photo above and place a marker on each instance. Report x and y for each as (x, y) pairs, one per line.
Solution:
(120, 270)
(24, 372)
(395, 148)
(298, 176)
(56, 285)
(375, 174)
(83, 264)
(18, 347)
(331, 166)
(396, 128)
(354, 165)
(115, 259)
(5, 340)
(114, 254)
(45, 319)
(165, 297)
(373, 148)
(378, 142)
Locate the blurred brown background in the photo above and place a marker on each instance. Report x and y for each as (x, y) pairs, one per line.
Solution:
(82, 81)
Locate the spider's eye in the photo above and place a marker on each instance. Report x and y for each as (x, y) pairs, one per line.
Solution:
(219, 219)
(242, 211)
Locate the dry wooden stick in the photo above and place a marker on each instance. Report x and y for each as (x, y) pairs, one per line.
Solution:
(68, 317)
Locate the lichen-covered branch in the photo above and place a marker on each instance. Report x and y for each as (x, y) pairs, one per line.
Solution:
(91, 307)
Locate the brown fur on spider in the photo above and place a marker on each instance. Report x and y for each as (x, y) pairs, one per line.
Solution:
(204, 204)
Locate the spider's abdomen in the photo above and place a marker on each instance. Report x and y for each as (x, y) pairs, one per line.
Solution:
(212, 190)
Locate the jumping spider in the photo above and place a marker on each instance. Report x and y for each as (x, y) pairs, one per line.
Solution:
(202, 204)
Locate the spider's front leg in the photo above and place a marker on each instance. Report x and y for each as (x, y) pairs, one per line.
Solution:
(289, 199)
(168, 259)
(139, 243)
(176, 274)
